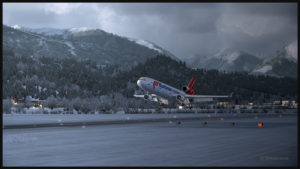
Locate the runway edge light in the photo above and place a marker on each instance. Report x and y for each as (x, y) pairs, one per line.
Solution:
(260, 124)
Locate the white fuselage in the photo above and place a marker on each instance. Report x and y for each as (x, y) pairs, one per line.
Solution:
(160, 89)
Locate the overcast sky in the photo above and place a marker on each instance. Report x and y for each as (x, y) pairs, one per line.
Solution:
(182, 28)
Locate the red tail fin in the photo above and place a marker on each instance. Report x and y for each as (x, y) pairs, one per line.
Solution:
(191, 84)
(191, 87)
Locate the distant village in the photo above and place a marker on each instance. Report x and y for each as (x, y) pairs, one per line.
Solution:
(35, 106)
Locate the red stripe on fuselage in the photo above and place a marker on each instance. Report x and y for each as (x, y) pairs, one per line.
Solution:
(155, 83)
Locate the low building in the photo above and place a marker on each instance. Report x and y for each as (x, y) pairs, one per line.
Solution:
(36, 101)
(284, 102)
(277, 102)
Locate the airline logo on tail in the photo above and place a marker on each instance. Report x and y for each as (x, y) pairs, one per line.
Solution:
(191, 87)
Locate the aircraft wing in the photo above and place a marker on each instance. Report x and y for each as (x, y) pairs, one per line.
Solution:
(154, 98)
(138, 95)
(142, 95)
(205, 96)
(208, 96)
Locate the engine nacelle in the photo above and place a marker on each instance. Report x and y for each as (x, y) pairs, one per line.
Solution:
(185, 88)
(180, 98)
(147, 97)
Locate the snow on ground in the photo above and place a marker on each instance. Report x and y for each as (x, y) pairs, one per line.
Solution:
(40, 88)
(232, 57)
(54, 118)
(292, 51)
(32, 110)
(29, 118)
(46, 31)
(81, 29)
(228, 55)
(148, 45)
(16, 27)
(69, 44)
(264, 69)
(42, 42)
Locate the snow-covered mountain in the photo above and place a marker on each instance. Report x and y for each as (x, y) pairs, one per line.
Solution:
(44, 31)
(197, 61)
(81, 43)
(153, 46)
(282, 63)
(225, 60)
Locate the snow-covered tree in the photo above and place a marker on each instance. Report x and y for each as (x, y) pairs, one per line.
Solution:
(66, 103)
(28, 102)
(51, 102)
(106, 102)
(6, 105)
(76, 103)
(19, 107)
(85, 106)
(94, 104)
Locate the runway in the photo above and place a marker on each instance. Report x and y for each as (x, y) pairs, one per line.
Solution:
(21, 121)
(157, 144)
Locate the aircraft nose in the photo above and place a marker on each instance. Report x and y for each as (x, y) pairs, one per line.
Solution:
(139, 83)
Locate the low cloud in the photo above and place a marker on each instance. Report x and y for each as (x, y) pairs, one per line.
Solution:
(182, 28)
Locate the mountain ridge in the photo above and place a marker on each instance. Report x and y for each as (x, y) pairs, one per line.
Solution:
(81, 43)
(281, 64)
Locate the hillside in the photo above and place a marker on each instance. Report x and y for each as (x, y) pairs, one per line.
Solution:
(283, 63)
(225, 60)
(82, 44)
(70, 78)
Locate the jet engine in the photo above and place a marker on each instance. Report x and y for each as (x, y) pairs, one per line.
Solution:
(188, 90)
(185, 88)
(180, 98)
(147, 97)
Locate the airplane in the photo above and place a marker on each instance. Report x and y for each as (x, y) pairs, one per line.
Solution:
(164, 94)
